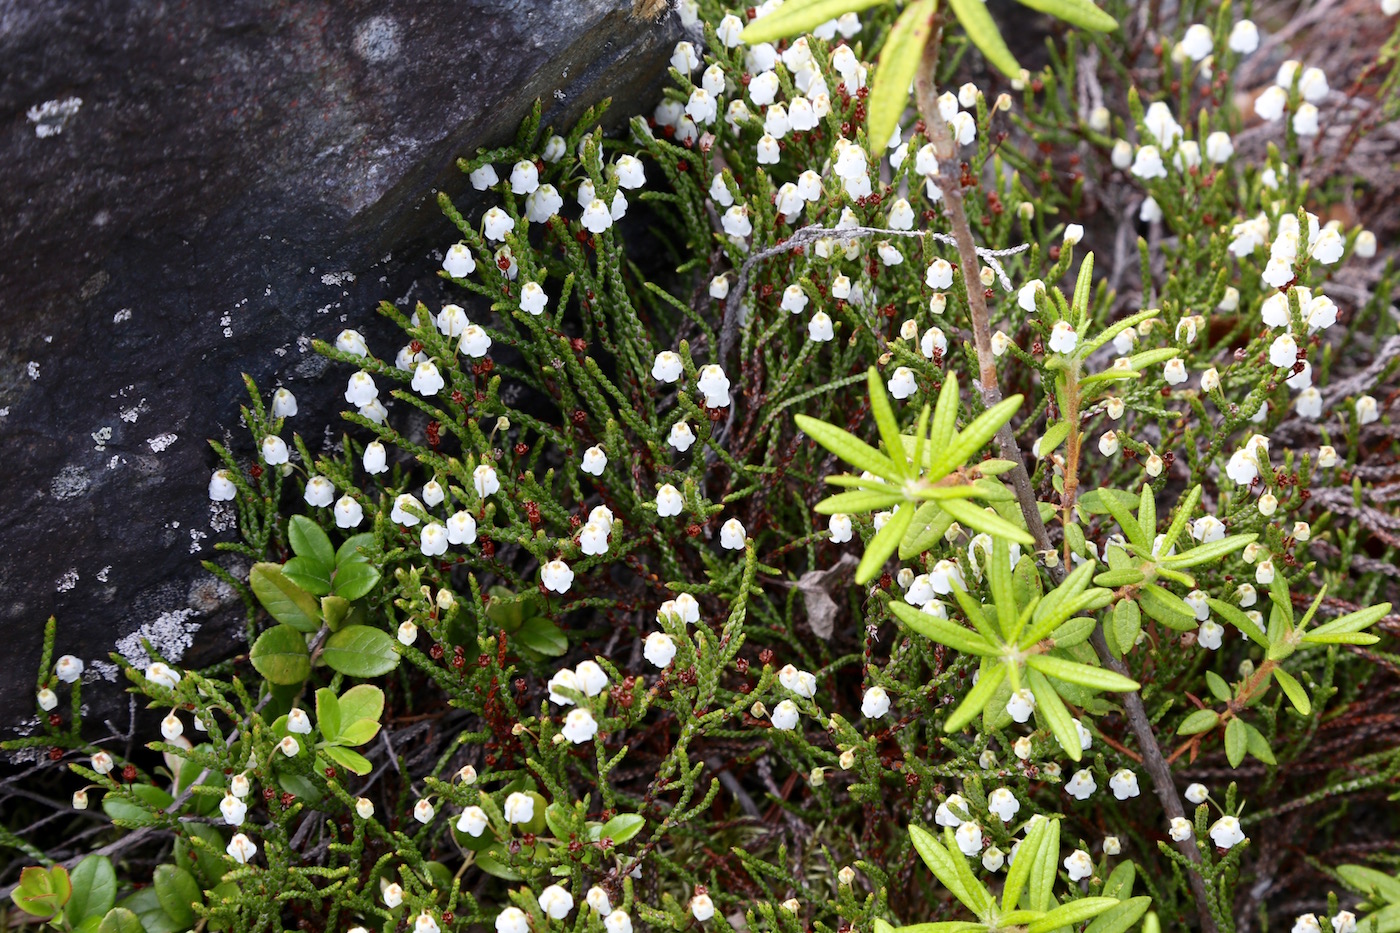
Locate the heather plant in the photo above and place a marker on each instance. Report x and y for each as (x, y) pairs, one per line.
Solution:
(566, 632)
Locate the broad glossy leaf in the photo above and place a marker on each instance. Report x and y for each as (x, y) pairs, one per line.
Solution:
(544, 636)
(348, 759)
(899, 61)
(977, 22)
(799, 16)
(311, 576)
(362, 701)
(121, 920)
(849, 448)
(354, 548)
(121, 808)
(94, 892)
(177, 890)
(280, 655)
(354, 579)
(284, 600)
(1218, 687)
(622, 827)
(1258, 745)
(309, 541)
(361, 651)
(327, 713)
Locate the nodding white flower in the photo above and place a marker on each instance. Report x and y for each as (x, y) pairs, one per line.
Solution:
(1367, 410)
(802, 683)
(682, 438)
(1283, 351)
(475, 341)
(1079, 865)
(459, 263)
(933, 340)
(669, 501)
(1021, 705)
(375, 460)
(101, 762)
(719, 287)
(967, 95)
(364, 808)
(348, 513)
(519, 808)
(789, 203)
(1365, 245)
(667, 367)
(1004, 804)
(1198, 42)
(496, 223)
(221, 486)
(702, 908)
(1180, 828)
(714, 385)
(714, 84)
(732, 535)
(591, 678)
(48, 700)
(1150, 212)
(433, 540)
(902, 383)
(556, 576)
(284, 404)
(68, 668)
(593, 539)
(1154, 465)
(298, 722)
(171, 728)
(319, 491)
(1147, 164)
(920, 590)
(944, 576)
(1269, 105)
(1108, 443)
(1124, 784)
(840, 287)
(1161, 125)
(579, 726)
(736, 221)
(1026, 297)
(425, 924)
(1197, 793)
(1000, 343)
(484, 480)
(794, 299)
(719, 192)
(775, 121)
(1081, 786)
(401, 513)
(484, 177)
(1305, 120)
(964, 128)
(473, 822)
(274, 451)
(533, 298)
(659, 649)
(1264, 572)
(524, 177)
(940, 275)
(1122, 154)
(1302, 531)
(684, 607)
(889, 253)
(1210, 635)
(241, 849)
(618, 922)
(461, 528)
(1086, 739)
(594, 461)
(1023, 747)
(423, 811)
(839, 525)
(556, 902)
(875, 703)
(361, 389)
(684, 59)
(427, 380)
(969, 838)
(233, 810)
(987, 760)
(289, 746)
(512, 920)
(1267, 504)
(701, 106)
(769, 153)
(1326, 456)
(1099, 119)
(597, 900)
(1307, 923)
(1063, 338)
(944, 815)
(1345, 920)
(1313, 85)
(408, 633)
(785, 715)
(1074, 233)
(601, 514)
(596, 217)
(1219, 147)
(161, 673)
(350, 341)
(1175, 371)
(1210, 380)
(1244, 37)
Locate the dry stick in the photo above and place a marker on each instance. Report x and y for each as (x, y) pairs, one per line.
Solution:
(950, 172)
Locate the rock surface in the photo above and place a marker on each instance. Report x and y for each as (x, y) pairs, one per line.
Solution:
(193, 191)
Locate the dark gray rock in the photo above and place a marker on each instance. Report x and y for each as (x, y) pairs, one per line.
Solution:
(192, 191)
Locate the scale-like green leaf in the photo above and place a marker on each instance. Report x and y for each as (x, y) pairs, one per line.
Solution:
(899, 61)
(849, 448)
(280, 655)
(798, 16)
(884, 544)
(982, 30)
(1081, 13)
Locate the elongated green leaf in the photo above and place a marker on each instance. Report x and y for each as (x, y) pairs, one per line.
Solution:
(361, 651)
(327, 713)
(311, 576)
(349, 759)
(942, 926)
(899, 61)
(1364, 880)
(1353, 621)
(1236, 742)
(1003, 593)
(1185, 509)
(178, 891)
(929, 525)
(1074, 632)
(858, 502)
(1121, 918)
(884, 544)
(1127, 622)
(1218, 687)
(975, 436)
(1131, 529)
(362, 701)
(284, 600)
(280, 655)
(1294, 690)
(799, 16)
(1055, 713)
(120, 920)
(1239, 620)
(1020, 871)
(1207, 552)
(1067, 915)
(1147, 513)
(622, 827)
(1169, 609)
(1202, 720)
(1092, 501)
(1092, 599)
(309, 541)
(1095, 678)
(943, 631)
(1341, 638)
(977, 698)
(1116, 328)
(849, 448)
(920, 441)
(1258, 745)
(940, 861)
(1042, 883)
(1117, 578)
(1080, 13)
(979, 519)
(1120, 882)
(885, 419)
(982, 30)
(945, 418)
(980, 899)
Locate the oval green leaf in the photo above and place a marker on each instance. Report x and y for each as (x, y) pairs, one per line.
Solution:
(280, 655)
